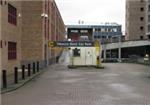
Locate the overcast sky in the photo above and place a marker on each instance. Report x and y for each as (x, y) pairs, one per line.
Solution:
(92, 11)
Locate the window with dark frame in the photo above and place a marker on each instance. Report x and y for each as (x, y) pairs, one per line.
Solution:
(1, 44)
(149, 8)
(76, 52)
(141, 37)
(5, 2)
(142, 9)
(12, 15)
(12, 50)
(141, 28)
(141, 18)
(148, 27)
(1, 2)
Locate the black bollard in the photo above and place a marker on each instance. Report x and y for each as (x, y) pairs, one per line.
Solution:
(33, 68)
(37, 66)
(23, 71)
(29, 70)
(15, 75)
(4, 79)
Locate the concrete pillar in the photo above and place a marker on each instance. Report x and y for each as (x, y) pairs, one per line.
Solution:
(104, 54)
(119, 50)
(104, 51)
(119, 54)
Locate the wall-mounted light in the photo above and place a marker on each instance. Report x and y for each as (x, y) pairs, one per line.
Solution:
(19, 15)
(44, 15)
(69, 39)
(147, 55)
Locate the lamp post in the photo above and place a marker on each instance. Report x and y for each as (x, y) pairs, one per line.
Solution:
(45, 16)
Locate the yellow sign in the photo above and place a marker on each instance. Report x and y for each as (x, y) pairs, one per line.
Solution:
(50, 43)
(96, 44)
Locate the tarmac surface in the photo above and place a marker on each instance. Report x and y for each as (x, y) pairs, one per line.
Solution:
(117, 84)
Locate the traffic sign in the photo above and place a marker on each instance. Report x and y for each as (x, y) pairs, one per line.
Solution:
(71, 44)
(51, 44)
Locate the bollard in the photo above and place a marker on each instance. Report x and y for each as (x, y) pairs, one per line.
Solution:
(33, 68)
(29, 70)
(37, 66)
(23, 71)
(15, 75)
(4, 79)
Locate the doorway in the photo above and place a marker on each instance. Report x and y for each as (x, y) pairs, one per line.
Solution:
(88, 57)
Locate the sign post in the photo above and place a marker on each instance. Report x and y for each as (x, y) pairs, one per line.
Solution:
(97, 47)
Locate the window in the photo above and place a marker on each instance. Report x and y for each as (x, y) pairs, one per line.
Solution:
(102, 29)
(12, 15)
(1, 2)
(148, 28)
(141, 37)
(1, 44)
(76, 52)
(106, 29)
(141, 28)
(142, 9)
(95, 36)
(74, 31)
(96, 29)
(114, 29)
(148, 18)
(12, 50)
(98, 37)
(141, 18)
(103, 37)
(83, 31)
(99, 29)
(109, 30)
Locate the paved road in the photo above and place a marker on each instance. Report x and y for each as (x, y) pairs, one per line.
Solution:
(117, 84)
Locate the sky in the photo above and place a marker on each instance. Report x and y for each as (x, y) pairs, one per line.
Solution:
(92, 11)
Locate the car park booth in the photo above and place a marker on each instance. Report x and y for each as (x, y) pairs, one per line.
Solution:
(84, 56)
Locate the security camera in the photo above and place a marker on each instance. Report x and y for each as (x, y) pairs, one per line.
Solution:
(46, 15)
(43, 14)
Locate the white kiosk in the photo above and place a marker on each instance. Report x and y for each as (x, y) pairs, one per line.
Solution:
(85, 55)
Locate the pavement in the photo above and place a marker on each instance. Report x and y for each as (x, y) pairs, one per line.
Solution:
(117, 84)
(11, 86)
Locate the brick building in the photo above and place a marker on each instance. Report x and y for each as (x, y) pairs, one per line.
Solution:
(25, 29)
(148, 18)
(136, 19)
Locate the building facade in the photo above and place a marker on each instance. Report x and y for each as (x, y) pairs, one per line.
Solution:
(26, 27)
(75, 32)
(148, 18)
(10, 34)
(136, 19)
(92, 32)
